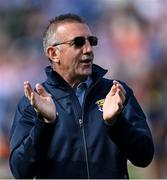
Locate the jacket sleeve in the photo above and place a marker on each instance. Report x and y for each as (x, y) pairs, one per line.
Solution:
(29, 140)
(131, 133)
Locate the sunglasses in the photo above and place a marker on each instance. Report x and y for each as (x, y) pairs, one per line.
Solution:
(80, 41)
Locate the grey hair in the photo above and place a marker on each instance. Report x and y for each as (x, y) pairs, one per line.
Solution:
(49, 34)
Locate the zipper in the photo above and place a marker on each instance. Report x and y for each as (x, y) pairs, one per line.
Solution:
(81, 124)
(85, 146)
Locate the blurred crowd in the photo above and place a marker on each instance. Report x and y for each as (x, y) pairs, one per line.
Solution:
(132, 46)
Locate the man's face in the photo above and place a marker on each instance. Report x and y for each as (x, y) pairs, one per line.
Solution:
(75, 63)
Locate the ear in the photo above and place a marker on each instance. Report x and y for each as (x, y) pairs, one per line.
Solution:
(53, 54)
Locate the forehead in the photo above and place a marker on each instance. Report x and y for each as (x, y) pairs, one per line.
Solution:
(72, 29)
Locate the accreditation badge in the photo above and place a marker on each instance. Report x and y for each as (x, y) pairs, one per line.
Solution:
(100, 104)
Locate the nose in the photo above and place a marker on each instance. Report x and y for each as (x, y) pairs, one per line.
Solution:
(87, 48)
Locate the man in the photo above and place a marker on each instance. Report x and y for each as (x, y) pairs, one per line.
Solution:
(77, 124)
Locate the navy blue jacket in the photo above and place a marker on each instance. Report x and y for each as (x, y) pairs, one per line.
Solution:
(79, 145)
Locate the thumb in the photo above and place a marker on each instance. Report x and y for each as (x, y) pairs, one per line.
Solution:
(41, 91)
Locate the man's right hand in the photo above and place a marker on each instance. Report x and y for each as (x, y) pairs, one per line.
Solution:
(41, 101)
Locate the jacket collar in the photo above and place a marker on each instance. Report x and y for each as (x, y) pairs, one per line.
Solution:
(54, 78)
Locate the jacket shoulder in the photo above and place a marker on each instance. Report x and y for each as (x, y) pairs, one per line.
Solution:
(107, 83)
(23, 106)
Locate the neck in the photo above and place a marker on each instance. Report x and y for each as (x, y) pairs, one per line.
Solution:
(73, 81)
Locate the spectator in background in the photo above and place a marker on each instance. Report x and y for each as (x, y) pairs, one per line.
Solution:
(156, 105)
(77, 124)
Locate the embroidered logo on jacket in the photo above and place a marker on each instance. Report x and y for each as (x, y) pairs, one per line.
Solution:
(100, 104)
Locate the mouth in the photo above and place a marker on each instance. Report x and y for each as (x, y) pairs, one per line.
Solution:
(87, 61)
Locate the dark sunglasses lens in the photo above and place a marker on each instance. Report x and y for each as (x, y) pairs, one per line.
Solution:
(93, 40)
(79, 41)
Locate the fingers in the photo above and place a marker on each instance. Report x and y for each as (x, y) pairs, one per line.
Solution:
(33, 101)
(120, 92)
(41, 91)
(29, 93)
(113, 90)
(27, 90)
(121, 97)
(119, 86)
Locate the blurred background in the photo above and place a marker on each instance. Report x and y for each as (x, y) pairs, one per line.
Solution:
(132, 46)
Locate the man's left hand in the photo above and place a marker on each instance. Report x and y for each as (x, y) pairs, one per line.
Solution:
(114, 101)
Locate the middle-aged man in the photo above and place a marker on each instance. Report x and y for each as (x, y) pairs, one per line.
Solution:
(77, 124)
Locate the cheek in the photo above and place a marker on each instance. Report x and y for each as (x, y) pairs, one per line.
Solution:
(74, 61)
(71, 64)
(72, 58)
(66, 59)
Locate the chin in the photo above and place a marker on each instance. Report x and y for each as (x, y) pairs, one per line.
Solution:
(84, 74)
(87, 72)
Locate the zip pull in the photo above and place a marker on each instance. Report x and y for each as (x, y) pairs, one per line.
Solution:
(81, 123)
